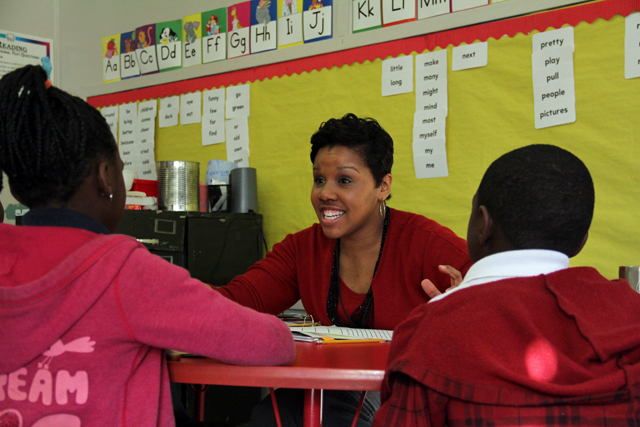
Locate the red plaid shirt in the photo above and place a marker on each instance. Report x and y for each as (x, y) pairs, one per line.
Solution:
(554, 350)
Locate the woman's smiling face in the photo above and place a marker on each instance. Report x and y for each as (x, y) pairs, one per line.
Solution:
(344, 194)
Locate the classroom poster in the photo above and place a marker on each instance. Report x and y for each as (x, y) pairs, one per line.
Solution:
(264, 23)
(111, 59)
(458, 5)
(191, 40)
(367, 15)
(128, 59)
(289, 23)
(317, 20)
(18, 50)
(169, 44)
(239, 23)
(146, 49)
(214, 35)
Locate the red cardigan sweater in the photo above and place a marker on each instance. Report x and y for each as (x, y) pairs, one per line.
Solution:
(557, 349)
(300, 268)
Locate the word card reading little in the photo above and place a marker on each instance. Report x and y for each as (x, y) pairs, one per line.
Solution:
(397, 75)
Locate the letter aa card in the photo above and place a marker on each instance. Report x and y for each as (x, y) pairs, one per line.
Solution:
(289, 23)
(128, 58)
(191, 40)
(111, 59)
(239, 23)
(264, 27)
(146, 49)
(169, 44)
(317, 20)
(214, 35)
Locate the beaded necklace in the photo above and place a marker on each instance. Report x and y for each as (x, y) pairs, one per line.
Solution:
(362, 317)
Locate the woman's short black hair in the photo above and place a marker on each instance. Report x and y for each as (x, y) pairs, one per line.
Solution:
(363, 135)
(49, 140)
(541, 197)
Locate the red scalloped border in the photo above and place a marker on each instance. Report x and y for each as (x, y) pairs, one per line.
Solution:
(589, 12)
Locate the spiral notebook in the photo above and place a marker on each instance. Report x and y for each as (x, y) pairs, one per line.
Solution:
(326, 334)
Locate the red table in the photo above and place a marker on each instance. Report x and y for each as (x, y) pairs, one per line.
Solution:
(316, 367)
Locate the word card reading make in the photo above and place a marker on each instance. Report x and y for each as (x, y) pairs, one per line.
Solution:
(397, 75)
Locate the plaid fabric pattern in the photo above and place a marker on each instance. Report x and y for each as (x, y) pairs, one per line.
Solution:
(413, 404)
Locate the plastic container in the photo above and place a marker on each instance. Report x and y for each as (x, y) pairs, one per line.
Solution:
(147, 186)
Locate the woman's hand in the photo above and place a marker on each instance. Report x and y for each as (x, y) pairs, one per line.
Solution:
(455, 278)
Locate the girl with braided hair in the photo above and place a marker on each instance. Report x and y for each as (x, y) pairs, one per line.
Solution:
(86, 314)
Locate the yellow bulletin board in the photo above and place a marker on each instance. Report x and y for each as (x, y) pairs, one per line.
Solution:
(490, 112)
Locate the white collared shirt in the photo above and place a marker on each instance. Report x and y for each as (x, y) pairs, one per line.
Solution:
(506, 265)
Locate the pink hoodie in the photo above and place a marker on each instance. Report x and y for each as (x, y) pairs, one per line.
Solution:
(84, 318)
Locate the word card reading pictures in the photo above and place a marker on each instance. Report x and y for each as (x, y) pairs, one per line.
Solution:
(397, 75)
(553, 78)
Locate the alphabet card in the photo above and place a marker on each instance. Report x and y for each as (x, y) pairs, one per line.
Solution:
(128, 58)
(632, 46)
(111, 59)
(191, 40)
(190, 108)
(458, 5)
(430, 158)
(289, 23)
(238, 36)
(397, 11)
(431, 82)
(146, 49)
(238, 101)
(169, 45)
(264, 26)
(169, 111)
(397, 75)
(431, 8)
(317, 20)
(367, 15)
(110, 114)
(470, 56)
(553, 78)
(214, 36)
